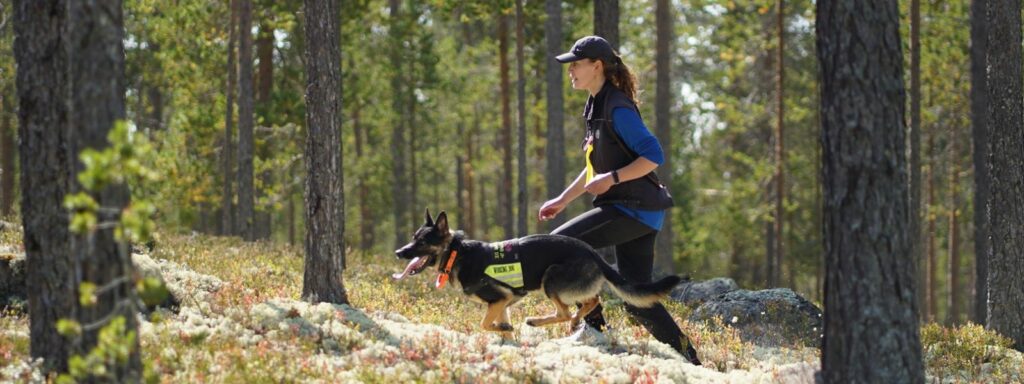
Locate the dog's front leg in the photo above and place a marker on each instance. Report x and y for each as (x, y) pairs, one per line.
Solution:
(495, 311)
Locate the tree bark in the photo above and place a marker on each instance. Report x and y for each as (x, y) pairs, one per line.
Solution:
(228, 199)
(96, 58)
(155, 118)
(664, 253)
(505, 189)
(246, 146)
(265, 72)
(555, 148)
(1006, 171)
(399, 185)
(522, 193)
(871, 325)
(606, 21)
(41, 54)
(324, 197)
(979, 139)
(264, 86)
(366, 220)
(780, 147)
(955, 293)
(914, 149)
(931, 250)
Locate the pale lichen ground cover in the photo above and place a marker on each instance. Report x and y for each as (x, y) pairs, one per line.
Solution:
(241, 321)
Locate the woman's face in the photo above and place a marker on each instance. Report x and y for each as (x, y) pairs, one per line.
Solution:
(586, 74)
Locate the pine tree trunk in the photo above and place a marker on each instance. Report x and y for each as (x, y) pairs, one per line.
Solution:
(1006, 171)
(41, 54)
(471, 190)
(606, 21)
(246, 146)
(365, 209)
(505, 189)
(780, 147)
(264, 86)
(769, 245)
(414, 170)
(228, 199)
(955, 293)
(460, 180)
(914, 150)
(155, 118)
(869, 286)
(399, 183)
(979, 138)
(324, 197)
(265, 71)
(664, 263)
(555, 147)
(522, 193)
(96, 33)
(291, 218)
(930, 247)
(7, 153)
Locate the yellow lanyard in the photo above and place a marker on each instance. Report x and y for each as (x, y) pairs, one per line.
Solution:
(590, 166)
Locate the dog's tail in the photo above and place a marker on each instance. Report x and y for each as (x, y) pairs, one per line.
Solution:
(643, 295)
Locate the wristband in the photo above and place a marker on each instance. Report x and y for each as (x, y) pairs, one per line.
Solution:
(615, 176)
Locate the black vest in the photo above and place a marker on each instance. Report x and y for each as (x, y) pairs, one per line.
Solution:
(610, 153)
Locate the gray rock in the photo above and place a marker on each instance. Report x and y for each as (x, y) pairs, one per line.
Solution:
(691, 293)
(771, 317)
(12, 277)
(183, 285)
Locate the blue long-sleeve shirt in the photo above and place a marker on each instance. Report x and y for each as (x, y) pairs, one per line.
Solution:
(639, 139)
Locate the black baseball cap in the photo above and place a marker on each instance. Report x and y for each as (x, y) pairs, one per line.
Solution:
(588, 47)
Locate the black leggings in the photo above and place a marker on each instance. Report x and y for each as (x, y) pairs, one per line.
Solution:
(634, 249)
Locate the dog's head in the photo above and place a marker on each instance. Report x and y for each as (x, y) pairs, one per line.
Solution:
(427, 244)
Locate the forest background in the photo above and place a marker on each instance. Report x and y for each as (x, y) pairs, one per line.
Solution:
(429, 122)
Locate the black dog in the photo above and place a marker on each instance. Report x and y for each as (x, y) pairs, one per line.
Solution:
(499, 274)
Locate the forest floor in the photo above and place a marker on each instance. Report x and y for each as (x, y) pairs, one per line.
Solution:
(241, 320)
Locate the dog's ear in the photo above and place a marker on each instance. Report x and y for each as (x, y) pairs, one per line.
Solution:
(442, 222)
(430, 222)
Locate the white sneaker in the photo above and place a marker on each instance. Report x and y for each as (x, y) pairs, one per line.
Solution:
(587, 335)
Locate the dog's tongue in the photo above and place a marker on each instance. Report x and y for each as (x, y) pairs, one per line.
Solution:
(408, 268)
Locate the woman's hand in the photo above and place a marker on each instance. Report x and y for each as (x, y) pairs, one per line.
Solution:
(600, 184)
(550, 209)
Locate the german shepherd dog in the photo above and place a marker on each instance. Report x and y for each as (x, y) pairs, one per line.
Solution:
(567, 270)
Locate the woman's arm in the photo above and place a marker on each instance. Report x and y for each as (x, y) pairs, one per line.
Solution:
(575, 189)
(552, 207)
(635, 170)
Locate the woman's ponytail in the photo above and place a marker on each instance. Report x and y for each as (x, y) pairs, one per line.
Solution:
(621, 77)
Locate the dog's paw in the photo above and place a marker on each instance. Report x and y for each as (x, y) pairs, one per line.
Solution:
(504, 327)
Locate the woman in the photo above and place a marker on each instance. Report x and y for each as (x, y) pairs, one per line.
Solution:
(621, 155)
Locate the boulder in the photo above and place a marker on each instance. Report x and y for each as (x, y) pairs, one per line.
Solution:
(697, 292)
(12, 277)
(183, 285)
(770, 318)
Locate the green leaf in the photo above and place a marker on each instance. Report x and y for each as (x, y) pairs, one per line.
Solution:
(151, 290)
(87, 294)
(68, 328)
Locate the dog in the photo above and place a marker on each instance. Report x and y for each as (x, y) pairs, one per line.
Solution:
(567, 270)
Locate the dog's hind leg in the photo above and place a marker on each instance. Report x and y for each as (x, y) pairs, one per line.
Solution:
(561, 314)
(496, 310)
(585, 310)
